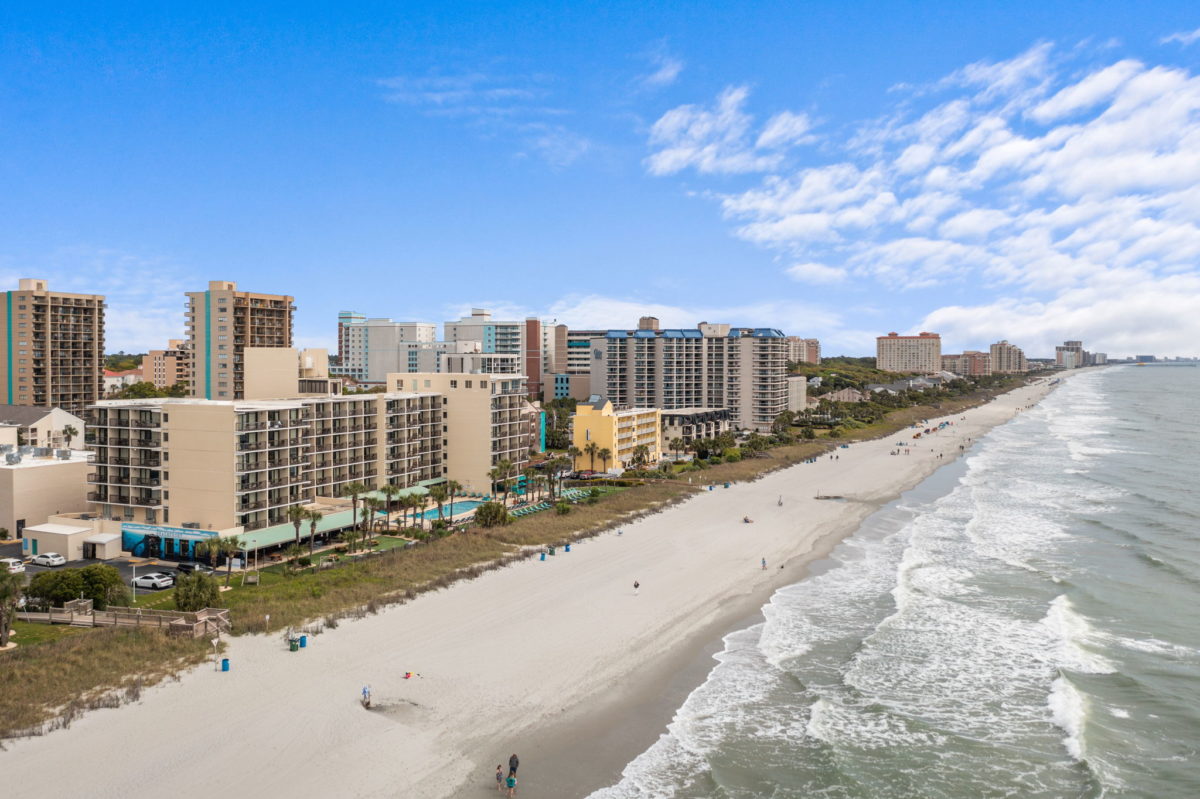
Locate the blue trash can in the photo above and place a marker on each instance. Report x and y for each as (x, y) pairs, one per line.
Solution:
(567, 548)
(303, 641)
(224, 664)
(543, 556)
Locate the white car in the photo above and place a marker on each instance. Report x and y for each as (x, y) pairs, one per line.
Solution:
(12, 565)
(155, 580)
(49, 559)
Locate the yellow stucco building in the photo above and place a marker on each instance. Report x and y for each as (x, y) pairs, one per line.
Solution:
(620, 431)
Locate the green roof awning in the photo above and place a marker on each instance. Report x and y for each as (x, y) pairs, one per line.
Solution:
(282, 533)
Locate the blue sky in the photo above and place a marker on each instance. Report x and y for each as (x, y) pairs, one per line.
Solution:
(986, 170)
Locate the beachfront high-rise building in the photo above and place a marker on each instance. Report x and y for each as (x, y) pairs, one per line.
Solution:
(484, 419)
(712, 366)
(345, 319)
(1008, 359)
(803, 350)
(631, 436)
(166, 368)
(51, 347)
(906, 354)
(370, 349)
(1070, 355)
(971, 363)
(221, 464)
(528, 338)
(221, 323)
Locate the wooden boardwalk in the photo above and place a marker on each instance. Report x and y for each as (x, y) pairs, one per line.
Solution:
(79, 613)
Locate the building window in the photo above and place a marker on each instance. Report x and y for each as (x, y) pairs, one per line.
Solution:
(453, 384)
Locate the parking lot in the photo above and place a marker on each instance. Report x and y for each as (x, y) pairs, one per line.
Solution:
(126, 566)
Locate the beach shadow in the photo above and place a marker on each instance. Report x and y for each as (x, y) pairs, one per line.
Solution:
(394, 708)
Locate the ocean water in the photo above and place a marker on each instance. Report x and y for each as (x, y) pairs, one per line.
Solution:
(1024, 624)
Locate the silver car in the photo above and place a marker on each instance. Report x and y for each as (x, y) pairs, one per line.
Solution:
(49, 559)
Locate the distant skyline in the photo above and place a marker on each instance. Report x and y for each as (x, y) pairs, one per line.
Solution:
(986, 170)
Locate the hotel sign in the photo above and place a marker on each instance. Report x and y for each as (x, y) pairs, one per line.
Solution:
(178, 533)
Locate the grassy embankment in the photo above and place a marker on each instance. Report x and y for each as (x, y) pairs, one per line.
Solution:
(71, 672)
(54, 676)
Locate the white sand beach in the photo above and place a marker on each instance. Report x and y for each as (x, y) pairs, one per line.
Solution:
(519, 656)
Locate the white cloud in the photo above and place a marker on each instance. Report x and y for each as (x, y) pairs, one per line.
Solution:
(144, 294)
(711, 140)
(516, 106)
(1042, 179)
(666, 71)
(1183, 37)
(785, 129)
(816, 273)
(719, 139)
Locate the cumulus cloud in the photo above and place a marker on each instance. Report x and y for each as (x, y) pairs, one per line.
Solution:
(1044, 179)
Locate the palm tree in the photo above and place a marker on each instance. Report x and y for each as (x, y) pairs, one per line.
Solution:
(367, 513)
(677, 445)
(297, 515)
(452, 487)
(69, 432)
(10, 594)
(208, 548)
(354, 491)
(438, 494)
(314, 516)
(641, 453)
(605, 455)
(591, 449)
(574, 453)
(390, 492)
(505, 468)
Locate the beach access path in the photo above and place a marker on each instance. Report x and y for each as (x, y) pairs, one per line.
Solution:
(520, 655)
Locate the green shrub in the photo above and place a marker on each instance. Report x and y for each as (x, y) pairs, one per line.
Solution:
(304, 561)
(196, 591)
(562, 508)
(491, 514)
(733, 457)
(98, 582)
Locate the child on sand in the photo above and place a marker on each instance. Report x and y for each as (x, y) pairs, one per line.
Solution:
(499, 777)
(511, 782)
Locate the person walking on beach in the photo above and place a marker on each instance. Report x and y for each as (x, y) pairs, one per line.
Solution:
(511, 782)
(513, 762)
(764, 564)
(636, 586)
(499, 777)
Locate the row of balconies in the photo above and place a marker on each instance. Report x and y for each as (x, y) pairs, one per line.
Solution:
(123, 499)
(123, 480)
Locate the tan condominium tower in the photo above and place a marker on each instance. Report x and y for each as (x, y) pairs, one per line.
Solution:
(221, 323)
(51, 347)
(921, 353)
(1008, 358)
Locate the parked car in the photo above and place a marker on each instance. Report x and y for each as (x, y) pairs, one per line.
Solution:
(155, 580)
(12, 565)
(49, 559)
(191, 568)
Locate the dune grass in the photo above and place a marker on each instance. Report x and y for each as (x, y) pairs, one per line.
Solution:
(49, 684)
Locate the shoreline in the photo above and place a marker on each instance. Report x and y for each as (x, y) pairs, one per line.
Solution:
(588, 747)
(523, 658)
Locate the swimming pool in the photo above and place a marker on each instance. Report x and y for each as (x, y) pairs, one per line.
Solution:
(460, 506)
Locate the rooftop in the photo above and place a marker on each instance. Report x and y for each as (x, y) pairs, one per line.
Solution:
(30, 462)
